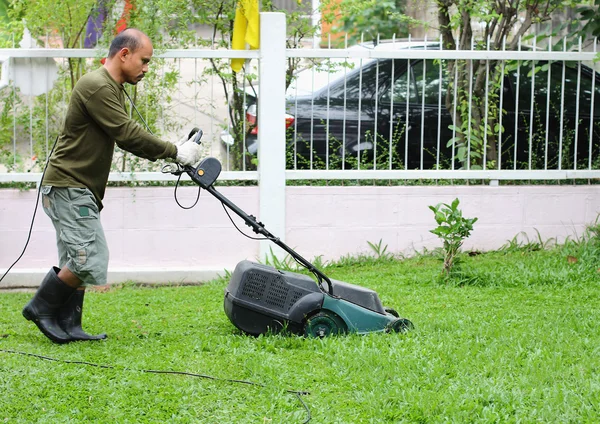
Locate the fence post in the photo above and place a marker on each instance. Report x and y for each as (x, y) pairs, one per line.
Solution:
(271, 124)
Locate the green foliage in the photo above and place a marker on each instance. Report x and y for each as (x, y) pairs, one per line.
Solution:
(384, 154)
(372, 19)
(380, 250)
(591, 18)
(287, 263)
(38, 119)
(522, 243)
(452, 229)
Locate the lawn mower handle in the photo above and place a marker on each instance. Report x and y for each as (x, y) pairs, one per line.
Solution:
(259, 228)
(205, 174)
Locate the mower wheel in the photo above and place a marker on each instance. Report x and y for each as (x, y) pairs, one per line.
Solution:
(401, 325)
(392, 312)
(324, 323)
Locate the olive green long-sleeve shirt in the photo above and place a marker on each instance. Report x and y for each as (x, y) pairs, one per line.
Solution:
(97, 119)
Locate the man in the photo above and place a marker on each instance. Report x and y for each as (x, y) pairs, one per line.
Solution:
(75, 181)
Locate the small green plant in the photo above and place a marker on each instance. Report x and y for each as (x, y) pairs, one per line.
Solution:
(453, 229)
(287, 263)
(380, 250)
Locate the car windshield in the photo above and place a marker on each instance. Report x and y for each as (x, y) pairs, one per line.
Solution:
(318, 74)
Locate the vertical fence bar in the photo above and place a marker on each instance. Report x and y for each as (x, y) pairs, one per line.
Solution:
(271, 117)
(196, 82)
(344, 111)
(244, 119)
(392, 86)
(531, 103)
(48, 88)
(376, 113)
(517, 86)
(439, 126)
(454, 107)
(592, 111)
(562, 107)
(548, 88)
(31, 100)
(328, 99)
(312, 116)
(14, 100)
(296, 126)
(577, 109)
(470, 108)
(485, 123)
(500, 108)
(407, 112)
(360, 81)
(424, 76)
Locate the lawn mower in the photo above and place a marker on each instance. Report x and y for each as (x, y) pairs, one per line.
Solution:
(262, 299)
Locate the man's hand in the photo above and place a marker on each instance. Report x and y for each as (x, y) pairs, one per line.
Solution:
(182, 140)
(188, 153)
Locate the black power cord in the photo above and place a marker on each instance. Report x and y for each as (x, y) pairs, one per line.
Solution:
(297, 393)
(37, 201)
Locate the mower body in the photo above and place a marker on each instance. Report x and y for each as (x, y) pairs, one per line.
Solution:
(261, 299)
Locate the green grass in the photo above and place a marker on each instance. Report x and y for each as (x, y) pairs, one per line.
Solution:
(512, 336)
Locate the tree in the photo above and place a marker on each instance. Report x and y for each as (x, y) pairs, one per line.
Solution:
(591, 17)
(63, 24)
(504, 24)
(373, 19)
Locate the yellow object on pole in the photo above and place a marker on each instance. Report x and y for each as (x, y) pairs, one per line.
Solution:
(245, 30)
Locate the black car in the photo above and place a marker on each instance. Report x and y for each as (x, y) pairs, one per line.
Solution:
(391, 113)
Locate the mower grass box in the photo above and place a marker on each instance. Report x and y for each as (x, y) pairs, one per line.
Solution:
(261, 299)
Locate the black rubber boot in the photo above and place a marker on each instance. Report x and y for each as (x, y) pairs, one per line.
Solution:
(43, 308)
(69, 318)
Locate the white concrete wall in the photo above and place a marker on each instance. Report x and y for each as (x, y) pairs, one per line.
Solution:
(152, 240)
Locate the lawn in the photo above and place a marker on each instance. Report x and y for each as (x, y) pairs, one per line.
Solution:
(512, 336)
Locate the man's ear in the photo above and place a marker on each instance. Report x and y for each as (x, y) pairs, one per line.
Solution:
(123, 53)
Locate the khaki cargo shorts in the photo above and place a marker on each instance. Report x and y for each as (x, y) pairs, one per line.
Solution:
(82, 246)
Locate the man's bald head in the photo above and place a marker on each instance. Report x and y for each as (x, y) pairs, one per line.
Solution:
(130, 38)
(129, 55)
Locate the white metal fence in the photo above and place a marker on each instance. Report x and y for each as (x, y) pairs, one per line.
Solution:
(361, 112)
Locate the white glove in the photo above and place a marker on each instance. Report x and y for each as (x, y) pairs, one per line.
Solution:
(188, 153)
(182, 140)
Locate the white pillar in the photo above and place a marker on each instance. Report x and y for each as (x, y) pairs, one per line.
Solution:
(316, 22)
(271, 124)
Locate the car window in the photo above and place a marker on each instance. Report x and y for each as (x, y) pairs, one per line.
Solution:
(403, 86)
(541, 83)
(427, 80)
(364, 83)
(424, 78)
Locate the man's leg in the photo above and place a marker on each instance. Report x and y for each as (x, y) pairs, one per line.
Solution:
(69, 278)
(75, 216)
(69, 315)
(86, 252)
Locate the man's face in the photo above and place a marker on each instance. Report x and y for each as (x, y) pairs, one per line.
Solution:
(135, 64)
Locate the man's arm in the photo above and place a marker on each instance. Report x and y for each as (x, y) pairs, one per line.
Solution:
(106, 110)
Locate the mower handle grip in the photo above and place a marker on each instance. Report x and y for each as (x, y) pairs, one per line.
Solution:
(197, 134)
